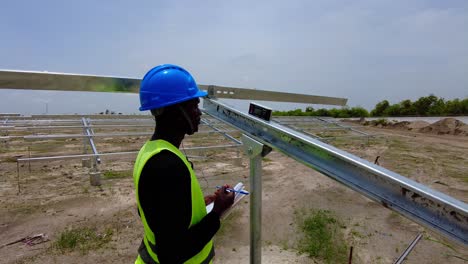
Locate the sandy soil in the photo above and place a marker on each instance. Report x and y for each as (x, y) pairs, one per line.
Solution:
(56, 195)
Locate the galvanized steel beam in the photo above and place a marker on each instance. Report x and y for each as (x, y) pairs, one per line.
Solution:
(253, 94)
(224, 133)
(77, 156)
(413, 200)
(65, 136)
(71, 127)
(302, 131)
(350, 128)
(66, 82)
(10, 79)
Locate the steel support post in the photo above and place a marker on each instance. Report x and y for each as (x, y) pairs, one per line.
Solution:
(85, 162)
(256, 151)
(5, 126)
(85, 147)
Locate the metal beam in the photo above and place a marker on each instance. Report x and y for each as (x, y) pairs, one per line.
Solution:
(65, 136)
(350, 128)
(10, 79)
(62, 157)
(413, 200)
(29, 121)
(17, 128)
(224, 133)
(300, 130)
(74, 127)
(66, 82)
(253, 94)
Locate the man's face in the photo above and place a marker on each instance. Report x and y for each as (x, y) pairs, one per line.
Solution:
(194, 114)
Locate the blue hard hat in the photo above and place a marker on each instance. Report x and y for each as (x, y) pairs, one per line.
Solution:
(166, 85)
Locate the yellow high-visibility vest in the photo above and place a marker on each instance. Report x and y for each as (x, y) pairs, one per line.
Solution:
(148, 150)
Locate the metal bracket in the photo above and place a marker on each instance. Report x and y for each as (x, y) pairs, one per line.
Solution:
(254, 148)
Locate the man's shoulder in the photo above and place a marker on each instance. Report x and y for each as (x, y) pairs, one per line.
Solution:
(167, 165)
(164, 159)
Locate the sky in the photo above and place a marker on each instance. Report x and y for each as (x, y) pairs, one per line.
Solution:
(366, 51)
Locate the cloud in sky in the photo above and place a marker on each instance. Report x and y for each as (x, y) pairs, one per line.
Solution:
(366, 51)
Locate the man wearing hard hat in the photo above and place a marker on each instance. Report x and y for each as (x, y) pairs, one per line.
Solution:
(170, 202)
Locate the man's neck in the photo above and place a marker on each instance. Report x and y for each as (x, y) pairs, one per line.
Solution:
(172, 138)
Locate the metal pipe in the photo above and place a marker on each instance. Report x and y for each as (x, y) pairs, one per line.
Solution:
(72, 127)
(315, 128)
(66, 136)
(302, 131)
(347, 136)
(69, 127)
(220, 131)
(408, 250)
(75, 156)
(77, 122)
(352, 129)
(89, 133)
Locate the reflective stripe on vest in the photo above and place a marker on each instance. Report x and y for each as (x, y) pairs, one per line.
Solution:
(148, 150)
(145, 258)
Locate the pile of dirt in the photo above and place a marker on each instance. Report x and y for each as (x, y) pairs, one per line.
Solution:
(407, 125)
(352, 121)
(446, 126)
(416, 125)
(449, 126)
(399, 125)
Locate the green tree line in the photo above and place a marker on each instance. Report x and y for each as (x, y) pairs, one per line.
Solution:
(425, 106)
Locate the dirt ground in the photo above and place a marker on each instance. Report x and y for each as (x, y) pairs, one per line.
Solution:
(56, 196)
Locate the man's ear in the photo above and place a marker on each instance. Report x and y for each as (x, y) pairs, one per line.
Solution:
(157, 112)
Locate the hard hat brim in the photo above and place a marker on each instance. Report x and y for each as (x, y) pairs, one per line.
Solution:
(198, 94)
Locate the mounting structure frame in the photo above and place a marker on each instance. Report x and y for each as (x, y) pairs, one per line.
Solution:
(430, 208)
(413, 200)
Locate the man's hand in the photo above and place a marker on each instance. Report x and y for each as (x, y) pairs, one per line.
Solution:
(210, 198)
(223, 200)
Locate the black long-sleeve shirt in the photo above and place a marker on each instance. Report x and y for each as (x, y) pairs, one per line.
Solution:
(165, 197)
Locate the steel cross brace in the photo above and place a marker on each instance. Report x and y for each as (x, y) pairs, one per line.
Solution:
(89, 133)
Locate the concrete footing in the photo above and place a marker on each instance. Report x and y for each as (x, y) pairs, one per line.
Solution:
(86, 163)
(95, 178)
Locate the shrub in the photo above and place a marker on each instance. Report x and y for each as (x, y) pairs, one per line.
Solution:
(82, 238)
(322, 237)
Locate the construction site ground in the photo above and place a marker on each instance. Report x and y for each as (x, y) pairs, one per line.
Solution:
(50, 197)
